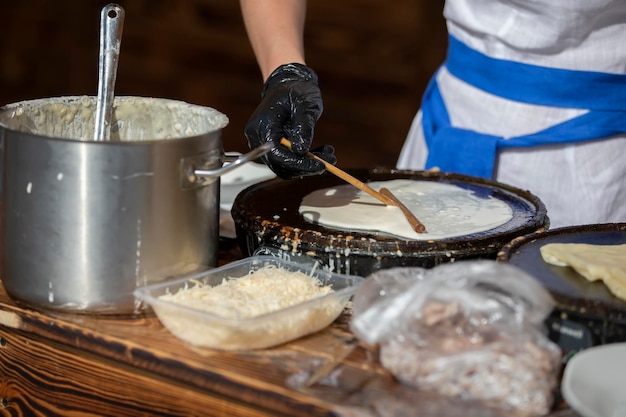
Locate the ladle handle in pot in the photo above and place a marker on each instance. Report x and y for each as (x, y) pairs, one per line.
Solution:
(111, 25)
(194, 177)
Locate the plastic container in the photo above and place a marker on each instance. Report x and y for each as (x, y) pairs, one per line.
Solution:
(204, 329)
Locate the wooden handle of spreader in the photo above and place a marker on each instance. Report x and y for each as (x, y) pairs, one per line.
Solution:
(385, 196)
(347, 177)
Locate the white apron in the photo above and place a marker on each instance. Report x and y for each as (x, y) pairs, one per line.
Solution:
(580, 183)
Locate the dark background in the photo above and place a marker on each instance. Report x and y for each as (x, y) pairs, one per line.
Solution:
(373, 58)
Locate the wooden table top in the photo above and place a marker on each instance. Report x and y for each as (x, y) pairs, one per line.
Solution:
(134, 366)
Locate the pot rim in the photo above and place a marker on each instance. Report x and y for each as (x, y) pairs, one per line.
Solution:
(219, 119)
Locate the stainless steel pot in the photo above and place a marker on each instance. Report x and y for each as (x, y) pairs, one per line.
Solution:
(85, 223)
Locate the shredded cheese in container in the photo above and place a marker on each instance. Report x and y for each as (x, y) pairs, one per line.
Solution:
(267, 307)
(263, 291)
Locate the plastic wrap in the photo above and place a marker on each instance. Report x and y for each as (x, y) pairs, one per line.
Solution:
(471, 329)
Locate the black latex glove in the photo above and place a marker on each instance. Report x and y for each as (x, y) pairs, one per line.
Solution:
(290, 106)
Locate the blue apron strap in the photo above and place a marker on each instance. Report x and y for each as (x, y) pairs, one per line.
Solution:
(453, 149)
(468, 152)
(534, 84)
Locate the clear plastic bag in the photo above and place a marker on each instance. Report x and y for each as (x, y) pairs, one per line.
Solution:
(469, 329)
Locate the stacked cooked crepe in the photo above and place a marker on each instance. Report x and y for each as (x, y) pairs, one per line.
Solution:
(606, 263)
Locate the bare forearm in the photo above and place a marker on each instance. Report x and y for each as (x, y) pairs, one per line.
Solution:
(275, 30)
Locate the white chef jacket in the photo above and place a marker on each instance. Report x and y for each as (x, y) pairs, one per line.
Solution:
(580, 183)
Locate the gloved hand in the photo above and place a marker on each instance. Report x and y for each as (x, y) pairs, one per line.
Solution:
(290, 106)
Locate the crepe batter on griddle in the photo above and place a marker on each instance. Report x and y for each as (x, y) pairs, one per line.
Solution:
(446, 210)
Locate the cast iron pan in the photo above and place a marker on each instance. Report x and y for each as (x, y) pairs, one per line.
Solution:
(568, 287)
(587, 313)
(267, 221)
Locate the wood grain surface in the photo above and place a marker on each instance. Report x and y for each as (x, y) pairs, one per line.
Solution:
(40, 377)
(55, 362)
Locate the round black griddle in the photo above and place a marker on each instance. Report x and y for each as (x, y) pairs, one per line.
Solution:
(586, 313)
(267, 221)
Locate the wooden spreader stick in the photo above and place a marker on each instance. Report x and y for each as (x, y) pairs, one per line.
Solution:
(386, 198)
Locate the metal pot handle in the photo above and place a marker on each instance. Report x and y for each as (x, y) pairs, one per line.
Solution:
(197, 177)
(250, 156)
